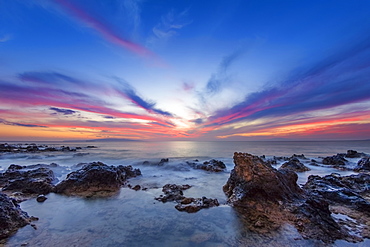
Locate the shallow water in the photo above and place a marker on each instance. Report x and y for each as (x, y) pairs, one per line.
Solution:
(134, 218)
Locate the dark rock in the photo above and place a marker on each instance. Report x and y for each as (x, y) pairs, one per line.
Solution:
(345, 190)
(252, 178)
(355, 154)
(91, 147)
(192, 205)
(136, 187)
(41, 198)
(173, 192)
(335, 160)
(212, 165)
(363, 165)
(295, 165)
(11, 216)
(31, 148)
(299, 156)
(161, 163)
(27, 179)
(96, 178)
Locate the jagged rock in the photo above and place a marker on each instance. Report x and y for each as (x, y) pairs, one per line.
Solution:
(28, 179)
(355, 154)
(164, 160)
(96, 178)
(173, 192)
(136, 187)
(299, 156)
(11, 216)
(337, 160)
(212, 165)
(192, 205)
(363, 165)
(32, 148)
(252, 178)
(295, 165)
(345, 190)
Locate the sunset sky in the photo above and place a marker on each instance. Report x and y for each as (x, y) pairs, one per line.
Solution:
(184, 69)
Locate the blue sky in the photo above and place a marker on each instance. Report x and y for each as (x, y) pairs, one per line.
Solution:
(204, 70)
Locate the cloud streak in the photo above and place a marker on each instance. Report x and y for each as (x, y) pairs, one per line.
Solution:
(103, 29)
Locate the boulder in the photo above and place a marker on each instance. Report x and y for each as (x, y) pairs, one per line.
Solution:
(27, 179)
(173, 192)
(11, 216)
(295, 165)
(252, 178)
(337, 160)
(96, 178)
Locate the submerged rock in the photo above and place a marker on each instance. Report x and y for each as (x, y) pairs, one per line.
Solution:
(295, 165)
(11, 216)
(27, 179)
(94, 178)
(192, 205)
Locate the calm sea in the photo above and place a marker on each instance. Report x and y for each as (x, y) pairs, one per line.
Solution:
(134, 218)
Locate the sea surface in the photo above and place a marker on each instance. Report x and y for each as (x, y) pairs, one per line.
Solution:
(134, 218)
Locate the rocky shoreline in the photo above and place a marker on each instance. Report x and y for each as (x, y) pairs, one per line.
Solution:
(265, 198)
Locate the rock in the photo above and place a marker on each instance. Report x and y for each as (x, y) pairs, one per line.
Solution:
(41, 198)
(252, 178)
(212, 165)
(31, 148)
(355, 154)
(335, 160)
(192, 205)
(161, 163)
(11, 216)
(299, 156)
(27, 180)
(91, 147)
(295, 165)
(173, 192)
(136, 187)
(96, 178)
(345, 190)
(363, 165)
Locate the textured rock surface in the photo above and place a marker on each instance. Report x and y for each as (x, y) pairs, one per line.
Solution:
(11, 216)
(96, 178)
(212, 165)
(295, 165)
(363, 165)
(27, 179)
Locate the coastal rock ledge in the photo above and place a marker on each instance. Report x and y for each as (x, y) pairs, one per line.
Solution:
(266, 199)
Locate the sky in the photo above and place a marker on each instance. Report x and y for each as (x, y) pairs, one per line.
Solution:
(184, 70)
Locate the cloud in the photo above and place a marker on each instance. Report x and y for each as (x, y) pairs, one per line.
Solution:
(336, 81)
(62, 111)
(126, 90)
(2, 121)
(168, 27)
(103, 29)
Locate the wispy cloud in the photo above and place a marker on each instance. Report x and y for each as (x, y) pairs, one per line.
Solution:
(337, 81)
(102, 29)
(62, 111)
(2, 121)
(168, 27)
(126, 90)
(5, 38)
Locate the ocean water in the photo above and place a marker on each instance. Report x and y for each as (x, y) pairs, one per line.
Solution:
(134, 218)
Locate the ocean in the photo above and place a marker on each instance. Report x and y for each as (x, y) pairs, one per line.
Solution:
(134, 218)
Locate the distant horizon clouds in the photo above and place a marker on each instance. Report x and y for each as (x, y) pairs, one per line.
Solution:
(184, 70)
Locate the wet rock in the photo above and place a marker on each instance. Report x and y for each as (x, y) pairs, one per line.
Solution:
(266, 199)
(96, 178)
(11, 216)
(41, 198)
(335, 160)
(252, 178)
(192, 205)
(212, 165)
(163, 161)
(28, 179)
(298, 156)
(31, 148)
(355, 154)
(363, 165)
(136, 187)
(91, 147)
(346, 190)
(295, 165)
(173, 192)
